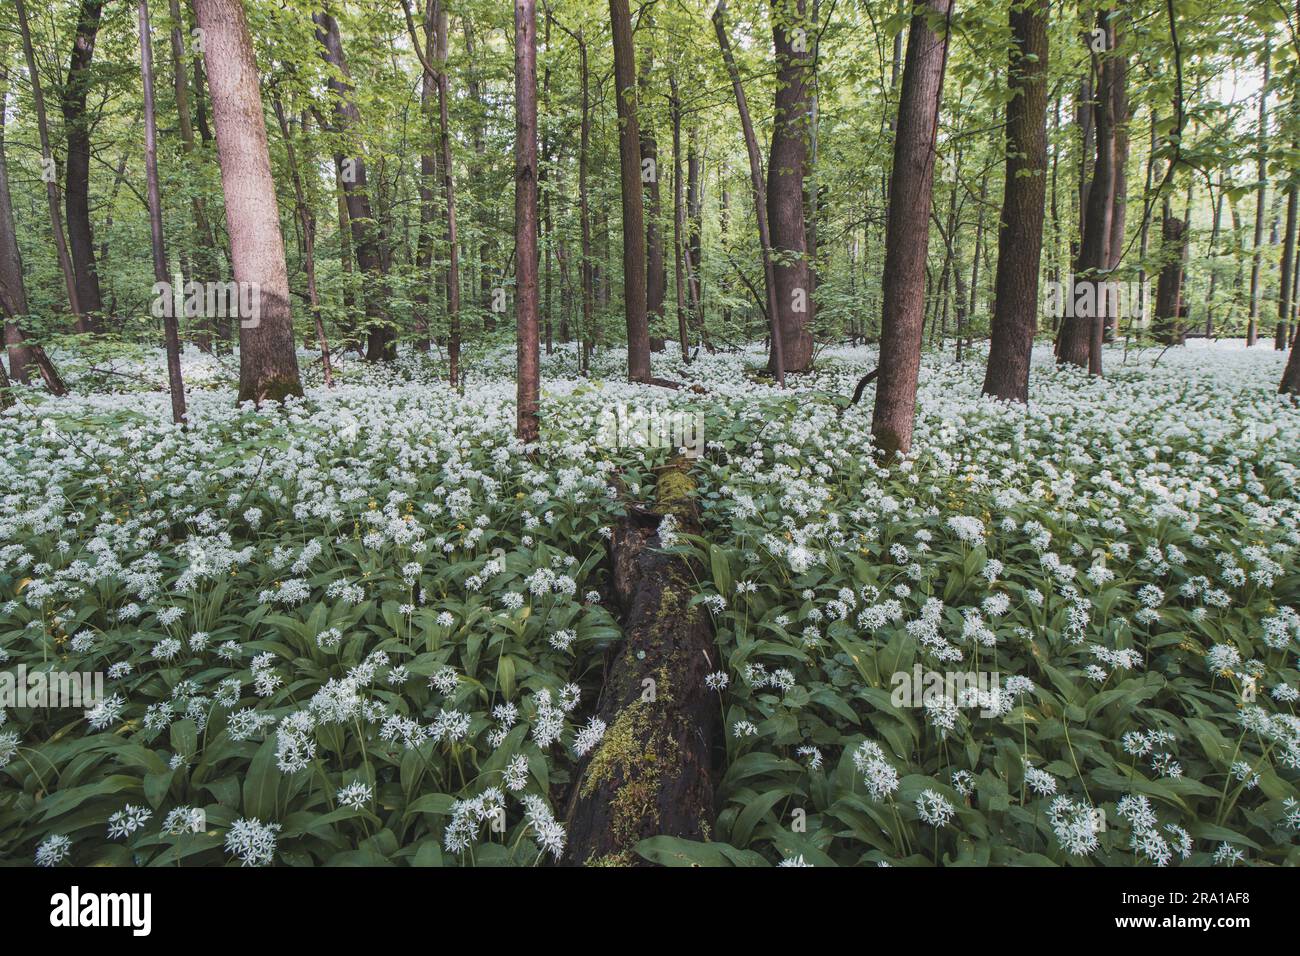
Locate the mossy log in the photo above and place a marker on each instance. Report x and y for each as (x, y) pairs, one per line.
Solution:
(652, 774)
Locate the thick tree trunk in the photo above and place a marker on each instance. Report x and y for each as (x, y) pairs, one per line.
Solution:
(629, 147)
(791, 128)
(907, 232)
(170, 325)
(652, 773)
(367, 244)
(83, 323)
(1020, 235)
(679, 227)
(527, 378)
(76, 190)
(1168, 325)
(268, 365)
(776, 359)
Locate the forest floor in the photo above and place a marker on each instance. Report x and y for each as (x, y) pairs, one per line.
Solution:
(367, 627)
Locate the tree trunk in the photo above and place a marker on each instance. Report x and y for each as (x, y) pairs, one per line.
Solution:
(1168, 325)
(307, 221)
(652, 773)
(907, 231)
(76, 193)
(527, 379)
(83, 323)
(1252, 327)
(1213, 257)
(367, 243)
(776, 359)
(679, 226)
(785, 171)
(160, 274)
(13, 290)
(629, 148)
(1284, 302)
(656, 273)
(268, 365)
(1020, 235)
(694, 248)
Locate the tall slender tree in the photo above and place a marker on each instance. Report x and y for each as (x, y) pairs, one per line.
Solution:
(170, 326)
(907, 232)
(629, 149)
(76, 167)
(527, 379)
(1020, 235)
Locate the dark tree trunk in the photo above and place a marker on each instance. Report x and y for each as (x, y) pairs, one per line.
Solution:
(307, 221)
(13, 290)
(1020, 235)
(679, 227)
(170, 326)
(656, 272)
(629, 148)
(788, 160)
(1082, 335)
(268, 365)
(527, 380)
(777, 357)
(367, 242)
(76, 190)
(1284, 303)
(652, 774)
(1168, 323)
(694, 248)
(907, 231)
(1213, 257)
(83, 323)
(1261, 202)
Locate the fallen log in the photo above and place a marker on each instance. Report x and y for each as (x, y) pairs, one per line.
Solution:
(653, 772)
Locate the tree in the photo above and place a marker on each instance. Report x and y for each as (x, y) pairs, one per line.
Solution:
(791, 134)
(907, 232)
(268, 365)
(655, 269)
(13, 290)
(776, 357)
(48, 174)
(366, 238)
(1020, 235)
(629, 151)
(527, 383)
(160, 274)
(76, 126)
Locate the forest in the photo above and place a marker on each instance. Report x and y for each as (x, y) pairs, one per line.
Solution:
(659, 433)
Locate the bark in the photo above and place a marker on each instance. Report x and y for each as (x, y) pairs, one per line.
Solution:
(679, 226)
(653, 772)
(694, 247)
(1082, 335)
(527, 378)
(13, 291)
(1284, 304)
(791, 32)
(76, 173)
(268, 365)
(655, 269)
(629, 148)
(777, 357)
(170, 326)
(1261, 201)
(1020, 235)
(1168, 325)
(1213, 256)
(80, 319)
(307, 222)
(907, 230)
(367, 243)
